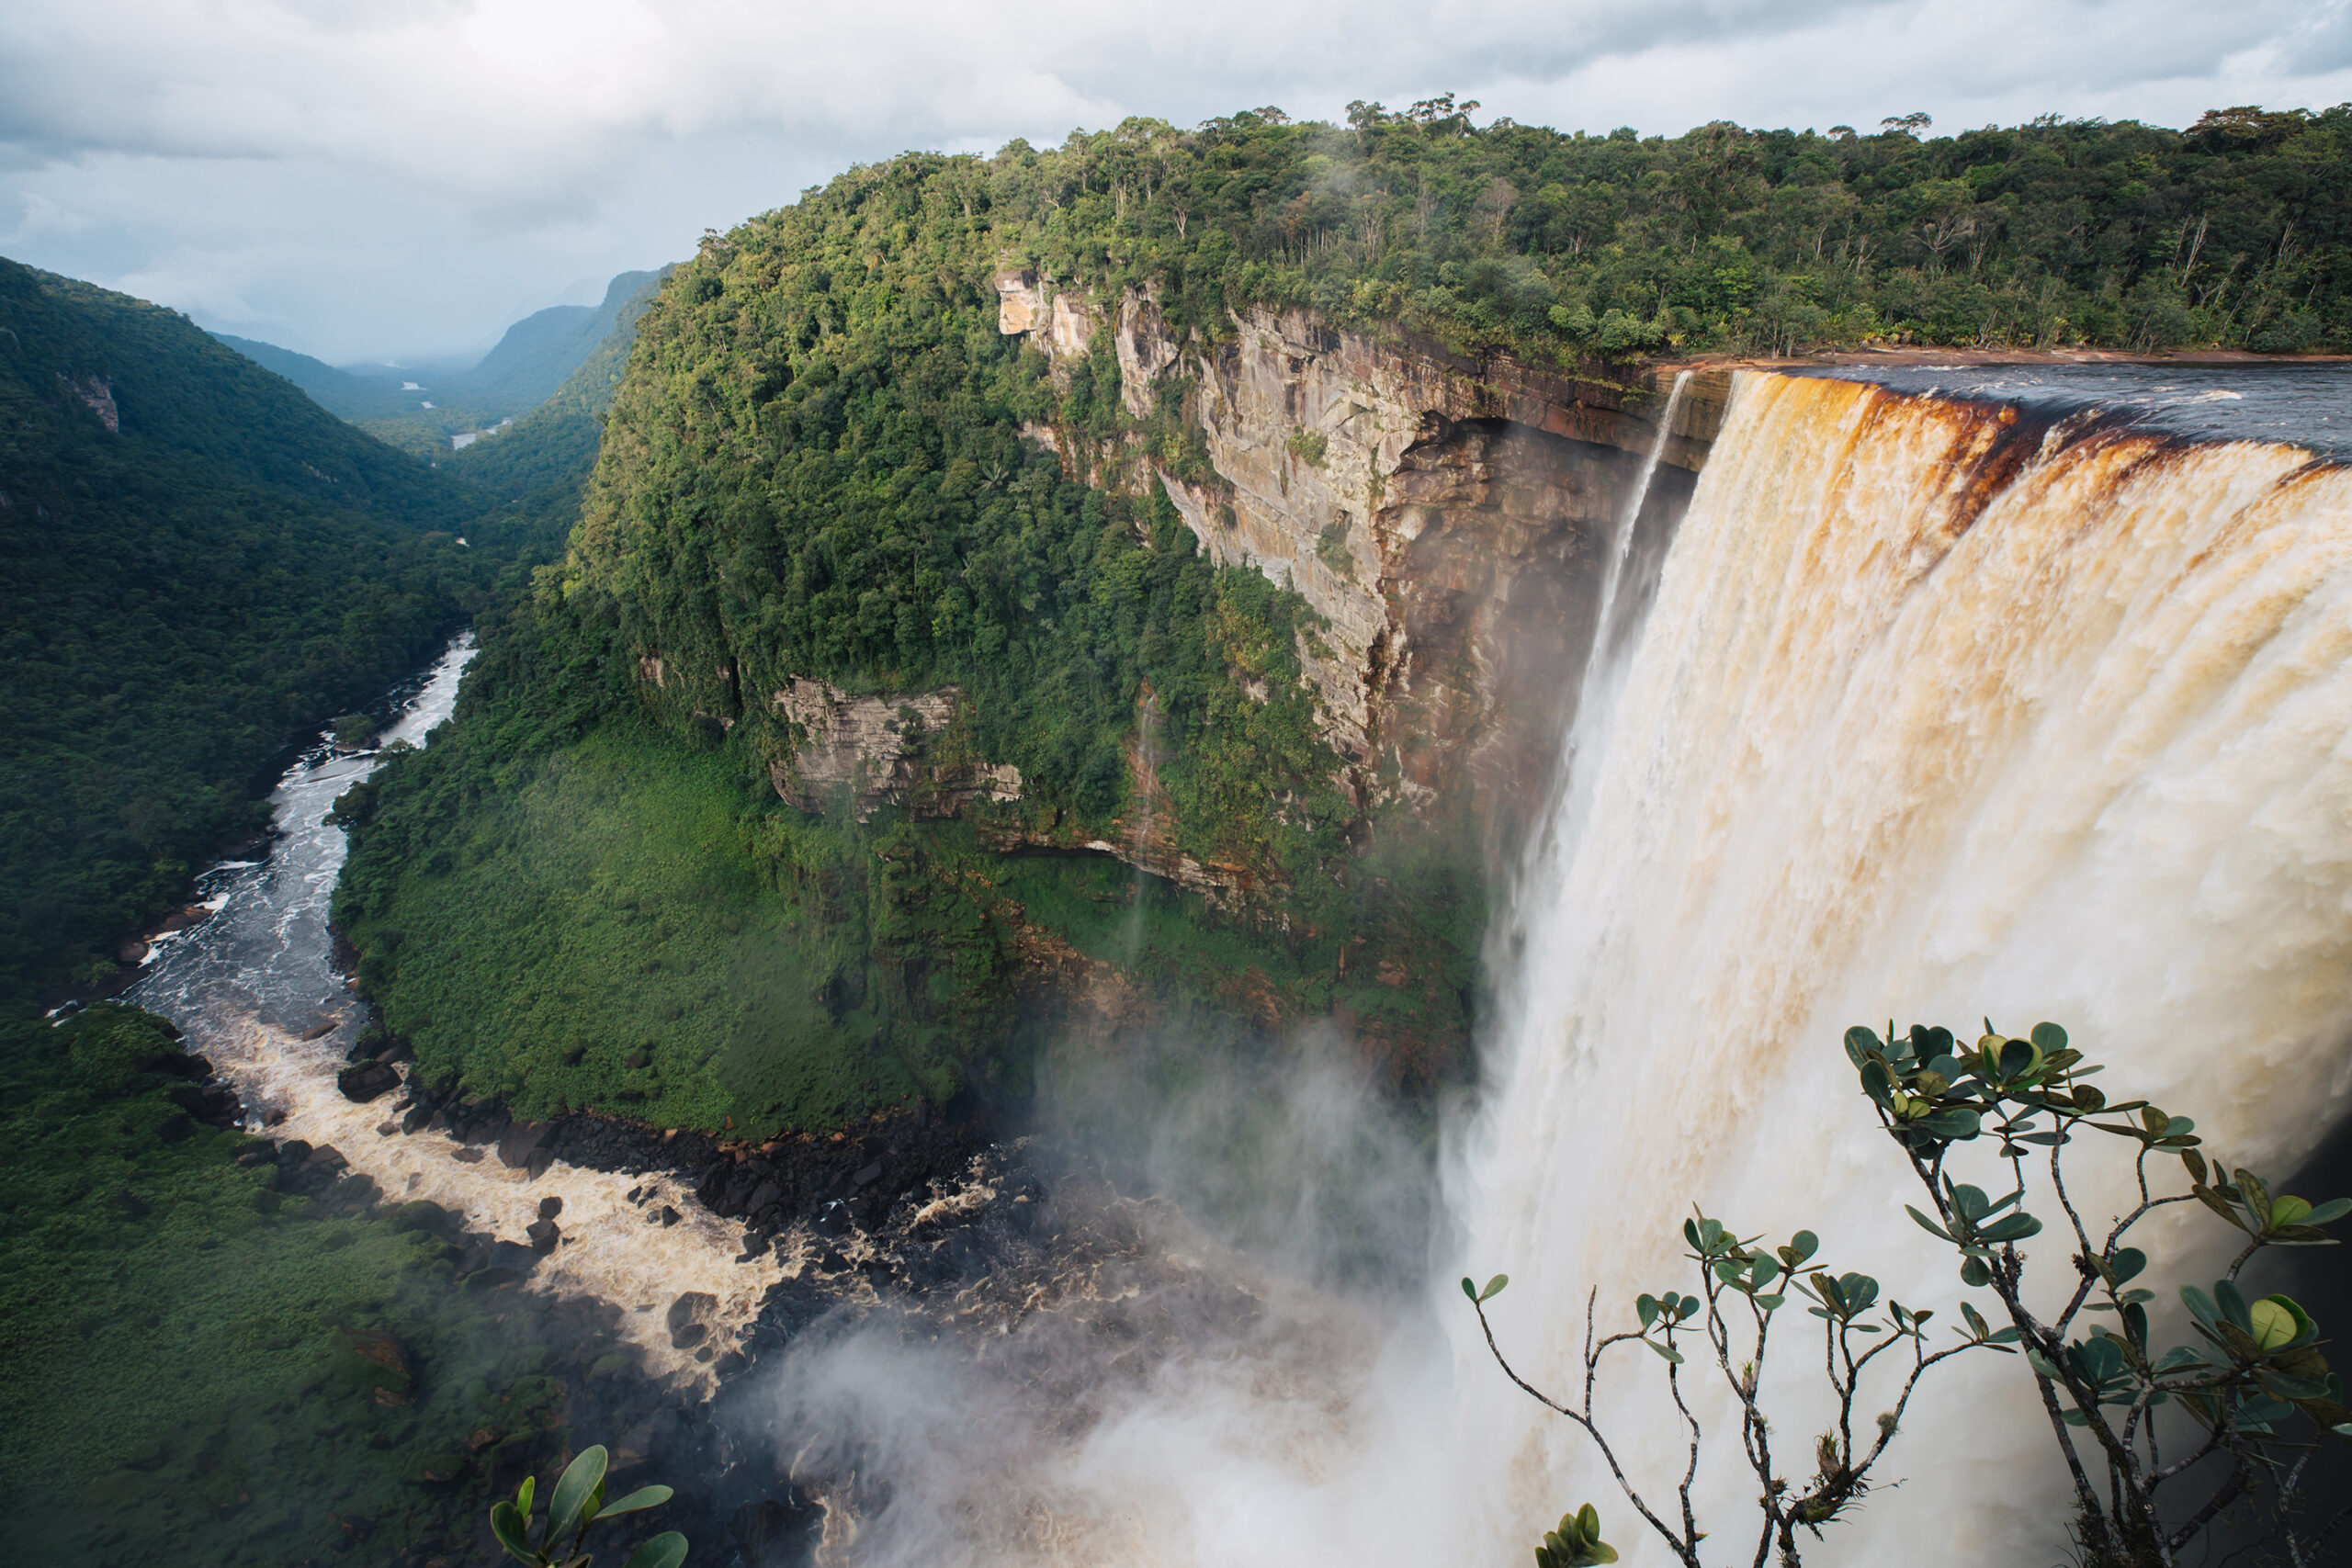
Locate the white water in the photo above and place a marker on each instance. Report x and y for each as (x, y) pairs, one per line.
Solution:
(2085, 759)
(246, 984)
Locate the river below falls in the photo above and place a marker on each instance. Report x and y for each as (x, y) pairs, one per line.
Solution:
(255, 989)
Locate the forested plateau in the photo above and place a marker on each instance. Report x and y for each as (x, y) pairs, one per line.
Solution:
(1128, 590)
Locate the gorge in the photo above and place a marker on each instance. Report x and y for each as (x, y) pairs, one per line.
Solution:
(1116, 779)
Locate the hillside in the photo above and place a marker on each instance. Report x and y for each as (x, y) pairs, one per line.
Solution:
(203, 563)
(1131, 592)
(342, 394)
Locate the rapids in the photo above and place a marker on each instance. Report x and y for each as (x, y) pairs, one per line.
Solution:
(246, 986)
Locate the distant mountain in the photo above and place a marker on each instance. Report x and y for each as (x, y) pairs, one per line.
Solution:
(202, 562)
(540, 352)
(531, 473)
(339, 392)
(530, 363)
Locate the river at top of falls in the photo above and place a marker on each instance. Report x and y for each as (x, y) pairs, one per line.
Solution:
(247, 986)
(2296, 405)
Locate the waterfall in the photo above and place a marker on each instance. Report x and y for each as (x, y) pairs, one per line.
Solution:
(1936, 714)
(1939, 709)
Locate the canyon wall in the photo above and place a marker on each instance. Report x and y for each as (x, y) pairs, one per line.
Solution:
(1442, 515)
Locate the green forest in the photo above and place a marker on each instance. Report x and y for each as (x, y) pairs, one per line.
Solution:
(202, 565)
(1557, 246)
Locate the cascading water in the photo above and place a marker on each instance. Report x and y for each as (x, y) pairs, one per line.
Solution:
(1938, 713)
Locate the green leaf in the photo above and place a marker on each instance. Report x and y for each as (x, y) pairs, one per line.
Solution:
(1804, 1244)
(2334, 1209)
(579, 1480)
(1668, 1351)
(2201, 1306)
(1771, 1303)
(523, 1494)
(643, 1497)
(1975, 1271)
(512, 1529)
(2227, 1296)
(1469, 1289)
(2011, 1227)
(1860, 1042)
(1928, 1225)
(1953, 1126)
(665, 1551)
(2050, 1037)
(1877, 1085)
(1646, 1308)
(2129, 1263)
(1494, 1286)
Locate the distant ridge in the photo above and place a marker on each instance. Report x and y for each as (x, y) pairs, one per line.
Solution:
(339, 392)
(529, 366)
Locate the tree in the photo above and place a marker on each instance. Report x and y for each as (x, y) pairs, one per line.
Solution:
(2236, 1395)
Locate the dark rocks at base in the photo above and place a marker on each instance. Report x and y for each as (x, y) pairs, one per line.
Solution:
(689, 1318)
(516, 1144)
(772, 1534)
(543, 1234)
(363, 1082)
(551, 1207)
(540, 1163)
(669, 1216)
(471, 1157)
(417, 1116)
(868, 1175)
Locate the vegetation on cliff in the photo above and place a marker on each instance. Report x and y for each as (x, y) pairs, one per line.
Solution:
(562, 904)
(824, 463)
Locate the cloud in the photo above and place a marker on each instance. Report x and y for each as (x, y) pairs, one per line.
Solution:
(446, 155)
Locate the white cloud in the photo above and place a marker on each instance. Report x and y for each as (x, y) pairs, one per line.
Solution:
(395, 176)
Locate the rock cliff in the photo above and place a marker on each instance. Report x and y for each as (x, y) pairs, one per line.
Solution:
(1443, 516)
(904, 750)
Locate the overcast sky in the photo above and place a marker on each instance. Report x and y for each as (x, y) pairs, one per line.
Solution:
(402, 178)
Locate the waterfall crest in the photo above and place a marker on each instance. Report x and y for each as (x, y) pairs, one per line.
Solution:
(1939, 710)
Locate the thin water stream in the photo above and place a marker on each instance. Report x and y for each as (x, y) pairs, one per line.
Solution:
(255, 989)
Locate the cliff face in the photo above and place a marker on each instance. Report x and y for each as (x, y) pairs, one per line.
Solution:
(1444, 517)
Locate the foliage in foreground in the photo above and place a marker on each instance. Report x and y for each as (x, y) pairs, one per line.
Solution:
(2184, 1435)
(576, 1504)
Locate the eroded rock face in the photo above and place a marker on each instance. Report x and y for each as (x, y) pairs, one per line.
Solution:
(1445, 516)
(904, 750)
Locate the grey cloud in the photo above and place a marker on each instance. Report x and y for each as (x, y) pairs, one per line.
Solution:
(398, 176)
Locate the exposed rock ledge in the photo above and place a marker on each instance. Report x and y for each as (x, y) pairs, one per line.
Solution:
(905, 750)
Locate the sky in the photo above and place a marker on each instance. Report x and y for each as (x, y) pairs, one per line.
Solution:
(400, 180)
